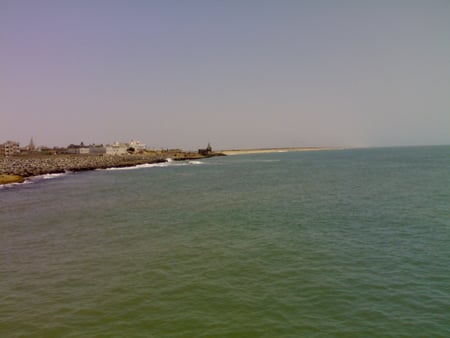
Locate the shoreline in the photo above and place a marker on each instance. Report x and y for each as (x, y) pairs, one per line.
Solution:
(277, 150)
(16, 169)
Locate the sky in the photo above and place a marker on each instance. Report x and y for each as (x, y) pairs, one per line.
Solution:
(235, 73)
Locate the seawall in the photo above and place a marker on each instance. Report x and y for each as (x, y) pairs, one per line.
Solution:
(18, 167)
(26, 166)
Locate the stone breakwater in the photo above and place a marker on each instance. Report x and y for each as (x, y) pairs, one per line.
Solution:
(16, 168)
(39, 165)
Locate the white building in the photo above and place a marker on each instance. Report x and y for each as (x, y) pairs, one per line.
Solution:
(138, 146)
(116, 149)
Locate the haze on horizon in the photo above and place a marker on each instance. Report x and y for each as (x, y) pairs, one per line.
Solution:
(238, 74)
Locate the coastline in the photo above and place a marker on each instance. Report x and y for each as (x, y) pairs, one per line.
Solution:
(276, 150)
(16, 169)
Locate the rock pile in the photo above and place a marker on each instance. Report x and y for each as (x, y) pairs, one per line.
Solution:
(26, 166)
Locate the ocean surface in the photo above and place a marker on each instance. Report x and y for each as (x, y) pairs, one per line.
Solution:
(348, 243)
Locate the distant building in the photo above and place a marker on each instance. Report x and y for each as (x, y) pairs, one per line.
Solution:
(28, 149)
(47, 150)
(31, 146)
(75, 149)
(97, 150)
(9, 148)
(206, 151)
(116, 149)
(110, 149)
(60, 150)
(138, 146)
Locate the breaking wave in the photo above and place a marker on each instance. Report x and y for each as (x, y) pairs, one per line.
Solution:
(34, 179)
(170, 163)
(51, 176)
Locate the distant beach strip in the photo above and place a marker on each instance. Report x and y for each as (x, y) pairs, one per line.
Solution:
(276, 150)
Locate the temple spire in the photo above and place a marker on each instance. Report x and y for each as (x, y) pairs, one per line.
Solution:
(31, 146)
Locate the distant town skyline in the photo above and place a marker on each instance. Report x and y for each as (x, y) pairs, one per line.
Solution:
(237, 74)
(31, 144)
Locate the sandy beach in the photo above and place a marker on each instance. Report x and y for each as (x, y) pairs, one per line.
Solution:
(275, 150)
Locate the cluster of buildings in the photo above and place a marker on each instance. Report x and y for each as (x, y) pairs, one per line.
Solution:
(11, 148)
(132, 147)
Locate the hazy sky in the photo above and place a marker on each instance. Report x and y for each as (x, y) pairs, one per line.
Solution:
(236, 73)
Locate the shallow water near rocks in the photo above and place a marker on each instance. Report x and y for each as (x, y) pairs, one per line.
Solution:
(350, 243)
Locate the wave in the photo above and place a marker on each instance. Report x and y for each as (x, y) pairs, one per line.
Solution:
(11, 185)
(50, 176)
(139, 166)
(170, 163)
(34, 179)
(39, 178)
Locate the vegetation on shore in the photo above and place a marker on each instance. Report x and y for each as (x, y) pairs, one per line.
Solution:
(8, 179)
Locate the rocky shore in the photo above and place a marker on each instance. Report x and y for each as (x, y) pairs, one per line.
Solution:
(16, 168)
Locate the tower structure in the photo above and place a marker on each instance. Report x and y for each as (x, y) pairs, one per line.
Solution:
(31, 146)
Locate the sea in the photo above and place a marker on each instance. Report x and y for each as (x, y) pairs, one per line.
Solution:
(341, 243)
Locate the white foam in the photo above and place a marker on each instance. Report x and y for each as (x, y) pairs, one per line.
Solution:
(140, 166)
(50, 176)
(10, 185)
(170, 163)
(33, 179)
(45, 177)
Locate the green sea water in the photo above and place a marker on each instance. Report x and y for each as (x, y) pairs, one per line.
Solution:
(350, 243)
